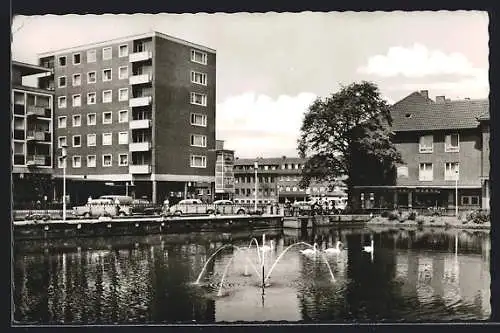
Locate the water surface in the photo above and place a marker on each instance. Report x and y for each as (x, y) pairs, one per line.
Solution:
(412, 276)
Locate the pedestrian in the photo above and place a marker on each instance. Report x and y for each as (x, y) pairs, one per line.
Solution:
(166, 203)
(117, 206)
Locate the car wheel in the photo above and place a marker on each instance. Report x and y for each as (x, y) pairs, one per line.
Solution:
(210, 211)
(241, 212)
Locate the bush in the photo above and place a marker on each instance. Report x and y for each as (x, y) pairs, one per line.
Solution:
(385, 213)
(412, 216)
(420, 220)
(394, 215)
(478, 217)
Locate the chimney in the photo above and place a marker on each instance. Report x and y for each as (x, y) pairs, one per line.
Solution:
(424, 93)
(440, 99)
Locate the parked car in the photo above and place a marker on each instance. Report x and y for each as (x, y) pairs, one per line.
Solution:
(228, 207)
(189, 206)
(37, 217)
(101, 207)
(145, 207)
(122, 199)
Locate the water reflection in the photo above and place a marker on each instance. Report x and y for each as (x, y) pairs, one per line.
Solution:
(414, 275)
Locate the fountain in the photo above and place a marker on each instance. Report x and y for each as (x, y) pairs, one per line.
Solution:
(262, 261)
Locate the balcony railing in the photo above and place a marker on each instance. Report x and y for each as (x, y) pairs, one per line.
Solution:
(139, 168)
(140, 124)
(140, 56)
(140, 146)
(39, 111)
(140, 101)
(140, 79)
(37, 160)
(19, 109)
(35, 135)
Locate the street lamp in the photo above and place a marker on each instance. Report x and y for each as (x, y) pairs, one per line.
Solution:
(255, 166)
(64, 156)
(456, 190)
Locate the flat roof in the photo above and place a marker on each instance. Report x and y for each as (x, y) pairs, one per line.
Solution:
(123, 39)
(30, 69)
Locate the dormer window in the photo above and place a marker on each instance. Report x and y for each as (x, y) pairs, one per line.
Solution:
(426, 144)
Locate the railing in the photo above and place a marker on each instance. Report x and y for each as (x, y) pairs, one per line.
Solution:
(35, 135)
(37, 160)
(140, 56)
(139, 79)
(140, 101)
(39, 111)
(139, 168)
(425, 211)
(139, 146)
(140, 124)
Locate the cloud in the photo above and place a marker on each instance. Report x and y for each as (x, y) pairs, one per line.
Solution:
(257, 125)
(418, 61)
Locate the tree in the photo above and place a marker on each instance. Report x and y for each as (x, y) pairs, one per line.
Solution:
(348, 135)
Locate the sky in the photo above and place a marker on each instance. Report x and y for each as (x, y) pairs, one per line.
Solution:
(271, 66)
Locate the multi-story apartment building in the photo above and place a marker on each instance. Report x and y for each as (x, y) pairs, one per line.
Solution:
(445, 148)
(277, 180)
(136, 113)
(31, 140)
(224, 174)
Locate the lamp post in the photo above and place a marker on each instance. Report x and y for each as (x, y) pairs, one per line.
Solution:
(64, 156)
(456, 191)
(255, 166)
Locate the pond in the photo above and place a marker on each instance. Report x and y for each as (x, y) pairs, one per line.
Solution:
(410, 276)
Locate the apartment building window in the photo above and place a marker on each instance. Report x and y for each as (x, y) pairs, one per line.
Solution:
(91, 98)
(106, 53)
(198, 99)
(402, 171)
(123, 94)
(198, 119)
(77, 141)
(123, 50)
(60, 162)
(107, 117)
(62, 61)
(107, 160)
(61, 142)
(107, 96)
(426, 144)
(91, 161)
(61, 122)
(77, 120)
(77, 100)
(91, 140)
(123, 72)
(425, 172)
(91, 77)
(123, 138)
(106, 74)
(77, 79)
(107, 139)
(451, 171)
(61, 102)
(199, 57)
(77, 161)
(470, 200)
(91, 56)
(77, 59)
(198, 140)
(123, 116)
(451, 143)
(198, 161)
(91, 119)
(199, 78)
(62, 81)
(123, 159)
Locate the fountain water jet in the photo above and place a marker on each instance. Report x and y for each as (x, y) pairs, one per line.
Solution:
(286, 250)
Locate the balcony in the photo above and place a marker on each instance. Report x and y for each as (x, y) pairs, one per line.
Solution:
(140, 124)
(38, 111)
(139, 79)
(37, 160)
(140, 56)
(139, 169)
(35, 136)
(140, 101)
(19, 109)
(139, 146)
